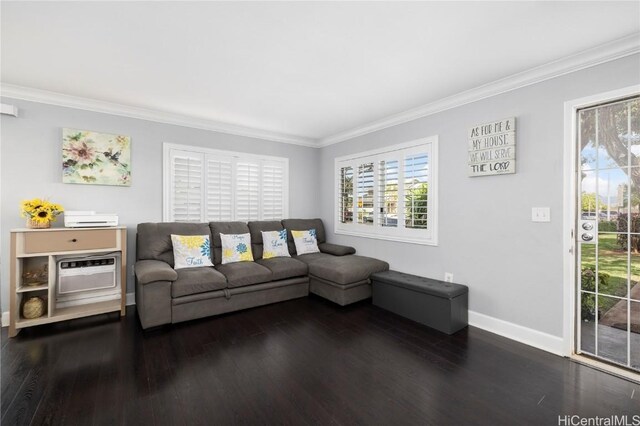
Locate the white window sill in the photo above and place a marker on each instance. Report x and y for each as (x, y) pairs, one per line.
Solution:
(410, 240)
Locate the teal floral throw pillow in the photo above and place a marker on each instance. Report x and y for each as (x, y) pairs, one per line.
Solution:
(306, 241)
(236, 248)
(274, 244)
(191, 251)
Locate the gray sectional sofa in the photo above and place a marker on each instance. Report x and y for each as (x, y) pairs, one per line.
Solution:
(165, 295)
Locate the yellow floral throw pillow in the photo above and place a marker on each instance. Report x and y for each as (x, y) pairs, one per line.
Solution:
(236, 248)
(275, 244)
(191, 251)
(305, 241)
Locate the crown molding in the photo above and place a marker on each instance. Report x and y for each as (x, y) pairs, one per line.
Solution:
(60, 99)
(616, 49)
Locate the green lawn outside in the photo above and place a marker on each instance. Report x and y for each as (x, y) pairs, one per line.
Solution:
(612, 260)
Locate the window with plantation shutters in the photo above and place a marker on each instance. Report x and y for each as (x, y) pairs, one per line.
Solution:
(389, 193)
(202, 185)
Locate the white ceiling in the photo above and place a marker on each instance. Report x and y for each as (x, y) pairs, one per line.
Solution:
(311, 70)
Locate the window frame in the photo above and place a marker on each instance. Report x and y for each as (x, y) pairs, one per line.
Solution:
(234, 157)
(398, 153)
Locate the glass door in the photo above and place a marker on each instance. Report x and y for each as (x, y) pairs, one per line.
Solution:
(608, 236)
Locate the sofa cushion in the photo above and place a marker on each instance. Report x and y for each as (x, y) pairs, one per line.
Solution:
(218, 228)
(303, 225)
(240, 274)
(313, 257)
(284, 267)
(197, 280)
(256, 228)
(154, 239)
(345, 270)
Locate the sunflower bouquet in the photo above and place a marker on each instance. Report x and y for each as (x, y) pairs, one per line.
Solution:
(40, 213)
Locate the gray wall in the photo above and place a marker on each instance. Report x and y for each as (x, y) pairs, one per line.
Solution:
(514, 267)
(31, 166)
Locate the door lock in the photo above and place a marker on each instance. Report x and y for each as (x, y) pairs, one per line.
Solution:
(590, 227)
(587, 236)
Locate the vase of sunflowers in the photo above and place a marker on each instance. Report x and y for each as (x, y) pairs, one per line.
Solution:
(40, 213)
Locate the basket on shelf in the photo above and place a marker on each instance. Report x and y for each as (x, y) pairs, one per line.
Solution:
(40, 213)
(33, 224)
(34, 307)
(36, 276)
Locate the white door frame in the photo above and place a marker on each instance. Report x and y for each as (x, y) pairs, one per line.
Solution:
(570, 197)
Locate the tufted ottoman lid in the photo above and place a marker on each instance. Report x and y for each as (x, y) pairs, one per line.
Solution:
(420, 284)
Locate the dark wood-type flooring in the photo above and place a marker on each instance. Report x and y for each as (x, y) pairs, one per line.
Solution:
(305, 361)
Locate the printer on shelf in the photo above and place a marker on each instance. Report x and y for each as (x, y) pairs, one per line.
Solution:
(89, 219)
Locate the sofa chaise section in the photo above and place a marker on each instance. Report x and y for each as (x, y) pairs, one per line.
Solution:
(335, 273)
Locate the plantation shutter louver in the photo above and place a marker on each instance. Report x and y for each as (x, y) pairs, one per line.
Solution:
(365, 194)
(273, 176)
(345, 195)
(388, 193)
(416, 186)
(186, 195)
(219, 192)
(247, 191)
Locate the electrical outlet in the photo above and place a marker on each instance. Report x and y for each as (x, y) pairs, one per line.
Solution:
(448, 277)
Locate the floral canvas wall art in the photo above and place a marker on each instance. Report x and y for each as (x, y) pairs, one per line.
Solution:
(95, 158)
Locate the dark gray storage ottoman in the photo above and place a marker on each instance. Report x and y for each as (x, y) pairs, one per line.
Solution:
(437, 304)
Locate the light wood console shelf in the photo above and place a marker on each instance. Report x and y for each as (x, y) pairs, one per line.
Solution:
(36, 247)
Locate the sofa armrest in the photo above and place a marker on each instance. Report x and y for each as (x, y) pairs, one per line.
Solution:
(148, 271)
(336, 249)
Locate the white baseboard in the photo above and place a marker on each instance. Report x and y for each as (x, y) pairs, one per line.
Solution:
(528, 336)
(131, 300)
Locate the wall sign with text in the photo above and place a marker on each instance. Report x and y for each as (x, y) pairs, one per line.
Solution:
(492, 148)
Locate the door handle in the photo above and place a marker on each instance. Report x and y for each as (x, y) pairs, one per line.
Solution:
(588, 230)
(586, 236)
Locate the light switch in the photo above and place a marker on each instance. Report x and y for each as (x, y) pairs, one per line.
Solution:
(541, 214)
